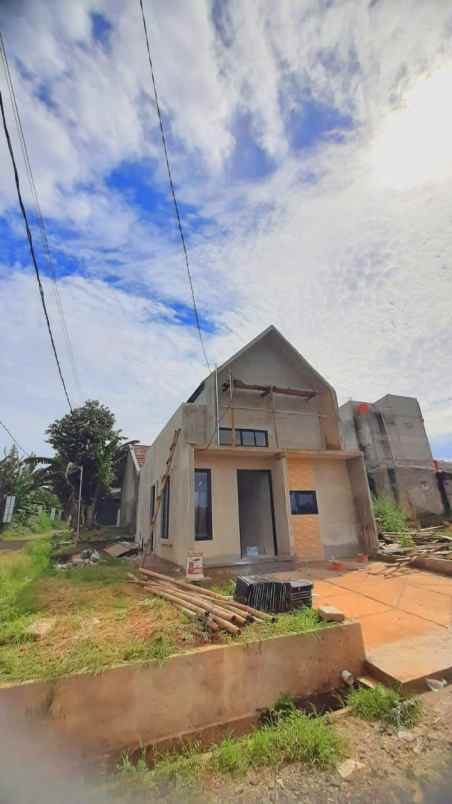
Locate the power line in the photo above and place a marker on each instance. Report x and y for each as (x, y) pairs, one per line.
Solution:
(32, 251)
(12, 438)
(39, 215)
(172, 188)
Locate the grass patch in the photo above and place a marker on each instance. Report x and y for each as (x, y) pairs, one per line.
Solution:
(386, 704)
(389, 516)
(300, 621)
(296, 737)
(98, 619)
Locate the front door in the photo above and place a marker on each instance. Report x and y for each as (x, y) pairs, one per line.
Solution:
(256, 514)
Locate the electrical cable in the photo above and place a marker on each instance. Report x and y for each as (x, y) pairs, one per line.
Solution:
(39, 216)
(32, 251)
(12, 438)
(172, 188)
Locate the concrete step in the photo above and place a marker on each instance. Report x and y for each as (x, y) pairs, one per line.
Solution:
(409, 662)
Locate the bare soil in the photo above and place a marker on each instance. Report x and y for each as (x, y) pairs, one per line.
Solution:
(414, 766)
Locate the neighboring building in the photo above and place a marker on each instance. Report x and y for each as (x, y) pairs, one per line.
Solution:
(258, 471)
(136, 456)
(444, 478)
(391, 435)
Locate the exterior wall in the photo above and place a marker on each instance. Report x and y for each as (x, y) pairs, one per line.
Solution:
(405, 430)
(392, 436)
(225, 546)
(124, 707)
(345, 524)
(129, 493)
(291, 422)
(306, 528)
(181, 516)
(363, 504)
(344, 506)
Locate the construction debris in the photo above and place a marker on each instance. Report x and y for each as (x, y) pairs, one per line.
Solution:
(401, 549)
(121, 549)
(216, 612)
(331, 614)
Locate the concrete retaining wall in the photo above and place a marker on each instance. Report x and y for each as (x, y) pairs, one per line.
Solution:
(191, 692)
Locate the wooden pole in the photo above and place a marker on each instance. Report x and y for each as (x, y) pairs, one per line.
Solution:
(206, 593)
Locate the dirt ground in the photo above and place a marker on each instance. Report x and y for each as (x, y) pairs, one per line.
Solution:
(414, 766)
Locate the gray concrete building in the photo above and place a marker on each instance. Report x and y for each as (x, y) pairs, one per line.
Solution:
(391, 436)
(251, 467)
(136, 456)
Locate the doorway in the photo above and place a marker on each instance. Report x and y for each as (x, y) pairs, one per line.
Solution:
(256, 513)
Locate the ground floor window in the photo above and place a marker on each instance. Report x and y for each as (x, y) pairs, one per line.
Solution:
(303, 502)
(164, 523)
(203, 504)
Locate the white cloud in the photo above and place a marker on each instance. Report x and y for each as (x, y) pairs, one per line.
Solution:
(346, 246)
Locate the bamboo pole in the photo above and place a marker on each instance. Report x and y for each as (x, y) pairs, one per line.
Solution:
(206, 593)
(175, 599)
(233, 629)
(181, 602)
(207, 606)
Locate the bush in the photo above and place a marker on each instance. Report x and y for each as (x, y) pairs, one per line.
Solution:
(386, 704)
(389, 515)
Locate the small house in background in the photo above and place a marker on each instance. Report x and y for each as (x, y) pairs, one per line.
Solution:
(136, 456)
(391, 436)
(251, 468)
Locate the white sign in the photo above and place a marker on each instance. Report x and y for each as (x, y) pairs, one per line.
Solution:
(195, 569)
(9, 508)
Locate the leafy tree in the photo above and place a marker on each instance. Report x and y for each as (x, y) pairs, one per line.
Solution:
(86, 437)
(19, 477)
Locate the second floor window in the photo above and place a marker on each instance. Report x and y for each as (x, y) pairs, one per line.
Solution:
(243, 437)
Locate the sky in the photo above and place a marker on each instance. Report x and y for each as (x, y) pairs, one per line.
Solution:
(311, 150)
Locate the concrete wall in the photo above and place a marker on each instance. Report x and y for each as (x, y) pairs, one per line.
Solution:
(405, 430)
(293, 422)
(392, 437)
(142, 703)
(181, 518)
(305, 528)
(345, 523)
(129, 495)
(225, 545)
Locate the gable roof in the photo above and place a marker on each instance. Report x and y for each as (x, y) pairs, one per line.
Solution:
(271, 330)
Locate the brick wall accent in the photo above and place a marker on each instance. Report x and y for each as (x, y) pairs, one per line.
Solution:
(305, 528)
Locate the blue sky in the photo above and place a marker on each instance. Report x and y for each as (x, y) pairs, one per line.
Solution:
(305, 203)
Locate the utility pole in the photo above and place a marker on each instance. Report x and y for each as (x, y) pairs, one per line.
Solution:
(69, 468)
(79, 502)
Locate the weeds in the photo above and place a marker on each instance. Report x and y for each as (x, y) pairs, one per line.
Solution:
(389, 515)
(284, 706)
(386, 704)
(294, 622)
(295, 738)
(407, 541)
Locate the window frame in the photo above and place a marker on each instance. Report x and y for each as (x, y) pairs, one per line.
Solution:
(164, 518)
(303, 513)
(239, 437)
(208, 538)
(152, 501)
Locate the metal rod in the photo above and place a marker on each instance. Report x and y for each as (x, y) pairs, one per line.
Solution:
(217, 405)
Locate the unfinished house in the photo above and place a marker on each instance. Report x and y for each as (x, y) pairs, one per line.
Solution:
(391, 435)
(136, 456)
(251, 467)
